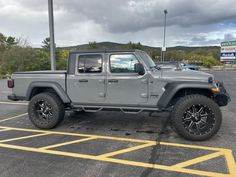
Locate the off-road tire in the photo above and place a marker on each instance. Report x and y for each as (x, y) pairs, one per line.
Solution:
(56, 110)
(181, 109)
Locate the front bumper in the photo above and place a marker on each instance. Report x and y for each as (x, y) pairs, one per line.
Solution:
(222, 98)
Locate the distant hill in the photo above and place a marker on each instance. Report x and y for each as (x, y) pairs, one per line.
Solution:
(172, 53)
(114, 45)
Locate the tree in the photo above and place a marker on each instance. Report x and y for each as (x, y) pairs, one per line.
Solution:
(10, 41)
(131, 45)
(46, 44)
(92, 45)
(62, 59)
(209, 61)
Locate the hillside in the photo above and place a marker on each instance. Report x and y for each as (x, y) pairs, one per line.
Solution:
(192, 54)
(17, 55)
(114, 45)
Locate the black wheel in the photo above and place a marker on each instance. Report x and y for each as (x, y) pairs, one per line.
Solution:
(196, 117)
(46, 110)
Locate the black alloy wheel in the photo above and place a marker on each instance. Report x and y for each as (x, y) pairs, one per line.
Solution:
(196, 117)
(46, 110)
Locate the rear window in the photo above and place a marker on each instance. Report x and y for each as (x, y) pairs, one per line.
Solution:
(90, 64)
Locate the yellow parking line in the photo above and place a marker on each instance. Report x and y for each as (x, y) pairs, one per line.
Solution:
(192, 146)
(14, 103)
(83, 135)
(106, 157)
(67, 143)
(127, 150)
(5, 129)
(167, 168)
(118, 161)
(120, 139)
(24, 137)
(13, 117)
(198, 159)
(230, 162)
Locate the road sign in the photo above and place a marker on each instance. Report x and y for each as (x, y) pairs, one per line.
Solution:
(228, 51)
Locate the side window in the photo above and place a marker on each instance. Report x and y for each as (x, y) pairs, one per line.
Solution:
(122, 63)
(90, 64)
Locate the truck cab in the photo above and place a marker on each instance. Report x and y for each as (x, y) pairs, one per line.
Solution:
(114, 78)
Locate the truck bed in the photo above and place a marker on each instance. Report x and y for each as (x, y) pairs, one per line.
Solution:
(42, 72)
(22, 80)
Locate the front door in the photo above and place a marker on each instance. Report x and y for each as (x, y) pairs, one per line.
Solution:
(125, 87)
(88, 83)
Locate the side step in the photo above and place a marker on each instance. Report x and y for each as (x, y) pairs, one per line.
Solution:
(126, 110)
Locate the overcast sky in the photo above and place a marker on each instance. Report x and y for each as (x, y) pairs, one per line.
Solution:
(189, 22)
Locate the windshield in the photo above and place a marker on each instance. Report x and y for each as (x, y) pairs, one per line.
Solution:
(147, 59)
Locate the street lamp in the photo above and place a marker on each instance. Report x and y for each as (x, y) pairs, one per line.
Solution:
(51, 29)
(164, 42)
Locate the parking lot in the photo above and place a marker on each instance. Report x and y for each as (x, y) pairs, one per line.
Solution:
(113, 144)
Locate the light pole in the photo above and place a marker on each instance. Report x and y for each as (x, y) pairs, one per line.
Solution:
(164, 42)
(51, 29)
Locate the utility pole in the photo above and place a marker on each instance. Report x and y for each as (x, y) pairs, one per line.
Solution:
(164, 42)
(51, 30)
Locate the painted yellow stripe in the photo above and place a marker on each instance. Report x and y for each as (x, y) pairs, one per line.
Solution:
(13, 117)
(81, 135)
(167, 168)
(230, 162)
(192, 146)
(118, 161)
(67, 143)
(14, 103)
(121, 139)
(127, 150)
(24, 137)
(198, 159)
(5, 129)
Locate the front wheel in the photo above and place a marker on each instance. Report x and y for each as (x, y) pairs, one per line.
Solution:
(46, 110)
(196, 117)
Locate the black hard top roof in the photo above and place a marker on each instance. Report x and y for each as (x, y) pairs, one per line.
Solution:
(103, 51)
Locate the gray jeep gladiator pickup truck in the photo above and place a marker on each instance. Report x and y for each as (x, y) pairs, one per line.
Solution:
(125, 80)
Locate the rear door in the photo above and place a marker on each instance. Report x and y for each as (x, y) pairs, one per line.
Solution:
(125, 87)
(88, 83)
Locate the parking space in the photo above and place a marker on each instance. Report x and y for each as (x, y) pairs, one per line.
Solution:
(108, 154)
(113, 144)
(9, 111)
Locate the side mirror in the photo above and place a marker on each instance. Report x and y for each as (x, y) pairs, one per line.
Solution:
(138, 68)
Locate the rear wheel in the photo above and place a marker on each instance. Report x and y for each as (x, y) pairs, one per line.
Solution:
(46, 110)
(196, 117)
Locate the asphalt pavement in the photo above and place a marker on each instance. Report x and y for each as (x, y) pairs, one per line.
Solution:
(113, 144)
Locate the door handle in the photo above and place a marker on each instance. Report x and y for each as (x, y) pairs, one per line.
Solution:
(112, 81)
(83, 80)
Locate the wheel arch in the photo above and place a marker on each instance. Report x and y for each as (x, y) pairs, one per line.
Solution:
(53, 87)
(175, 90)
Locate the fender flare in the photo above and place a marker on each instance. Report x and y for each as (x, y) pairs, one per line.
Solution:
(172, 88)
(55, 86)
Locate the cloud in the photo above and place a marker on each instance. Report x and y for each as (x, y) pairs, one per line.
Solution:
(229, 37)
(132, 16)
(195, 22)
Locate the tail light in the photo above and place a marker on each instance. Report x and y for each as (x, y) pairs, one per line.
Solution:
(10, 83)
